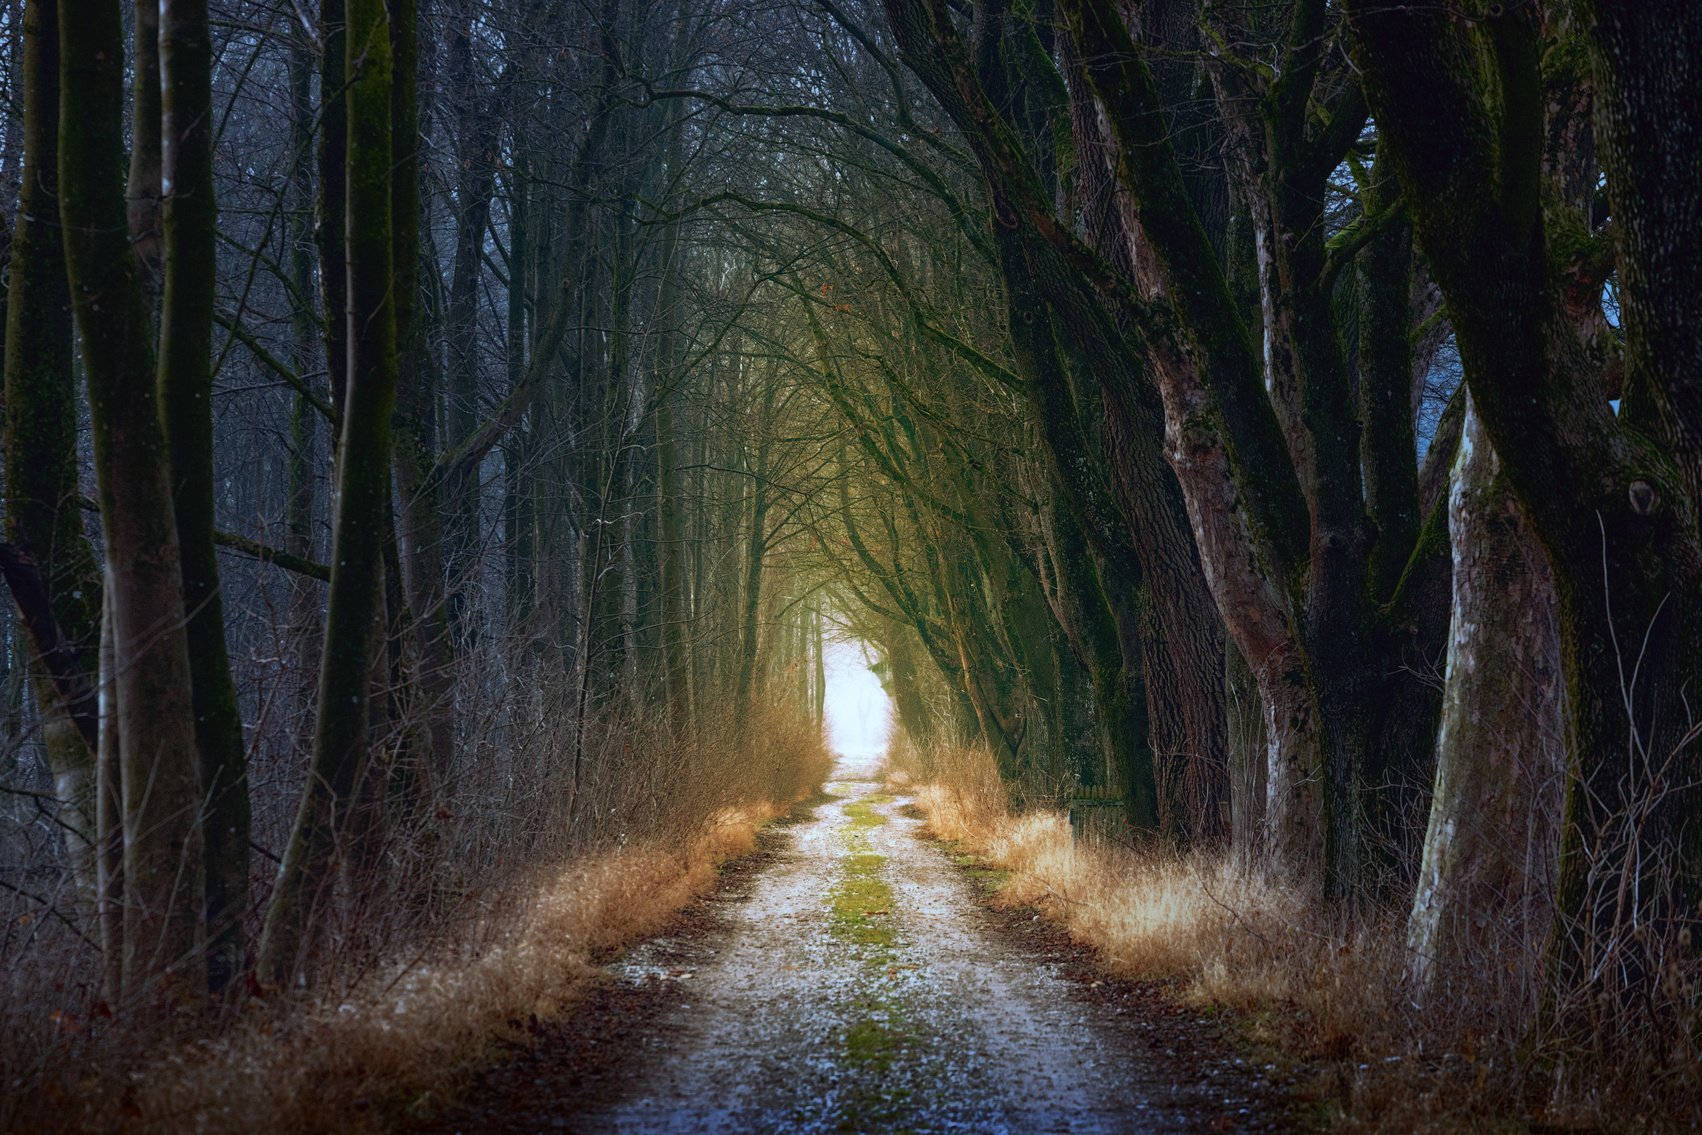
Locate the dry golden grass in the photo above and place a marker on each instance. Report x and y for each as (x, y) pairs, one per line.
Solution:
(401, 1028)
(408, 1038)
(1312, 991)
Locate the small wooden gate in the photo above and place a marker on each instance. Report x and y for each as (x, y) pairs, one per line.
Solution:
(1096, 813)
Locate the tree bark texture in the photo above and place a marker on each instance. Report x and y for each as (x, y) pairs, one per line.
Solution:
(1486, 883)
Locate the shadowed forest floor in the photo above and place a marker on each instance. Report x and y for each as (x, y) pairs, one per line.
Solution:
(847, 977)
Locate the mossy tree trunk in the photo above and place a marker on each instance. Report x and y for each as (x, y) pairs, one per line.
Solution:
(1264, 442)
(1612, 497)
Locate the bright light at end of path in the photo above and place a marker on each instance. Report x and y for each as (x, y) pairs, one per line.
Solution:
(859, 716)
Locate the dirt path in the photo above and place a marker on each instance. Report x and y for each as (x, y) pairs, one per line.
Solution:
(856, 985)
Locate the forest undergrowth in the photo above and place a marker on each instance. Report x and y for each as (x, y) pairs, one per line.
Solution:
(1321, 995)
(505, 931)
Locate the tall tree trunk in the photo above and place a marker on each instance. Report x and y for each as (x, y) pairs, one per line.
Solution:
(43, 521)
(418, 483)
(1485, 887)
(341, 740)
(163, 869)
(304, 466)
(670, 505)
(190, 220)
(670, 502)
(333, 160)
(756, 550)
(476, 157)
(1612, 497)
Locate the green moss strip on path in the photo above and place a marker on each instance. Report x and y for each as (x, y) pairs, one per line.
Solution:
(878, 1031)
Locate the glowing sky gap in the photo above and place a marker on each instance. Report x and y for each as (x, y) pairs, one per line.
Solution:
(859, 714)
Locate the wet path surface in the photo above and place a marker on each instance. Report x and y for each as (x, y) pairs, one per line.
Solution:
(856, 985)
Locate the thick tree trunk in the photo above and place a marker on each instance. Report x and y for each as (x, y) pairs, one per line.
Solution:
(190, 219)
(340, 754)
(1248, 762)
(163, 869)
(1484, 897)
(1609, 495)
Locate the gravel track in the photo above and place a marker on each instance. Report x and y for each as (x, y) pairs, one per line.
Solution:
(857, 984)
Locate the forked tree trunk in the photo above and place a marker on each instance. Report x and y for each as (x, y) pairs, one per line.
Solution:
(1611, 496)
(163, 869)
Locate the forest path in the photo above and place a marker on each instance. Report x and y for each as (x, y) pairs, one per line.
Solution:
(856, 986)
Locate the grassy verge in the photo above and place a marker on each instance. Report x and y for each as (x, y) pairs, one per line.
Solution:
(1320, 997)
(408, 1034)
(409, 1040)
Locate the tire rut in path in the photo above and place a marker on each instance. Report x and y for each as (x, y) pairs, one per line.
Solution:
(857, 986)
